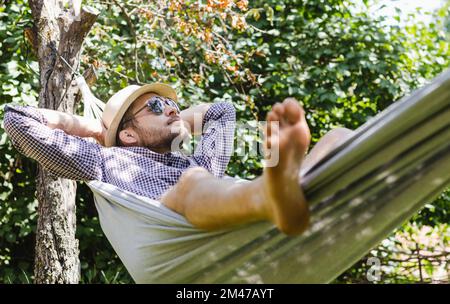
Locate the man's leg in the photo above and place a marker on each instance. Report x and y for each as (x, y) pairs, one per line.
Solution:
(212, 203)
(325, 145)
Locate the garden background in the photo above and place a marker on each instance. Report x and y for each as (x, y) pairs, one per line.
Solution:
(343, 62)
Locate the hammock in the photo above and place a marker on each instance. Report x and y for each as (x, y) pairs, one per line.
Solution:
(358, 194)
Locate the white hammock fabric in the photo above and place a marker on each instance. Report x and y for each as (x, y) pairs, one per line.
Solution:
(358, 194)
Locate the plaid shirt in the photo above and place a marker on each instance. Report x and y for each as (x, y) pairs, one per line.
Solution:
(135, 169)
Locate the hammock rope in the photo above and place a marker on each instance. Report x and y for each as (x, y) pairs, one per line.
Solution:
(358, 194)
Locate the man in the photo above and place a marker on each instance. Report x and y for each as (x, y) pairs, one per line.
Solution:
(140, 127)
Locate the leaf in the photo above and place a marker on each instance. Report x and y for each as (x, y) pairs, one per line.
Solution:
(269, 13)
(255, 13)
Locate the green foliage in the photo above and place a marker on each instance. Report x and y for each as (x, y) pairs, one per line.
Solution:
(18, 204)
(414, 253)
(343, 66)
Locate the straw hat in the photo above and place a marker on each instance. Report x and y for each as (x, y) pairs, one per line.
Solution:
(118, 104)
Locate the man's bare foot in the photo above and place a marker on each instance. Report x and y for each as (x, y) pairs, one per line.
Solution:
(287, 206)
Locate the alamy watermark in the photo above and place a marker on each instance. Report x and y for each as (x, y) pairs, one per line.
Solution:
(219, 140)
(374, 272)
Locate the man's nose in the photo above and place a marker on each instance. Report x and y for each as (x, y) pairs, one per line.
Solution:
(170, 111)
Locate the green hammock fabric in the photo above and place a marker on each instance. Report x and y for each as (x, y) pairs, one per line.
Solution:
(358, 194)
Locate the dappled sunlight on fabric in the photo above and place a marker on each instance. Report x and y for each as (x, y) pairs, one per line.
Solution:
(304, 258)
(364, 233)
(356, 202)
(364, 217)
(116, 166)
(391, 179)
(438, 181)
(382, 175)
(329, 240)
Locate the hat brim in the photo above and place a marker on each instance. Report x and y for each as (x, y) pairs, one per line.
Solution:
(158, 88)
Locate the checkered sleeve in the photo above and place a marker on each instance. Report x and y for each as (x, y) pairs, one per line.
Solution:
(64, 155)
(216, 144)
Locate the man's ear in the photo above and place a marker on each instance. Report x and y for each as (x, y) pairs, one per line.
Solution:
(128, 137)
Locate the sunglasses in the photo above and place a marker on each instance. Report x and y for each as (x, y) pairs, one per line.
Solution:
(156, 104)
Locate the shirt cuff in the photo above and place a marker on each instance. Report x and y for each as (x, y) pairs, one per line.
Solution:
(27, 111)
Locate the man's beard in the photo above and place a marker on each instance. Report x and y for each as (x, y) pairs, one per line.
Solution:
(157, 139)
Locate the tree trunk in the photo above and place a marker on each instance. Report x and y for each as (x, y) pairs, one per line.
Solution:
(57, 28)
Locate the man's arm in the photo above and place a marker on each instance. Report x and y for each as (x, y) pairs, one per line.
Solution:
(40, 134)
(216, 145)
(193, 116)
(73, 124)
